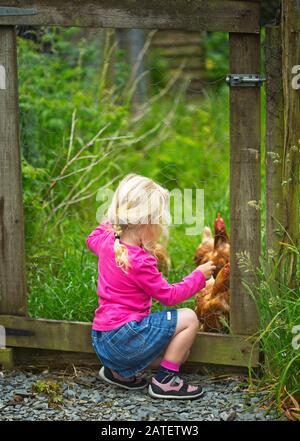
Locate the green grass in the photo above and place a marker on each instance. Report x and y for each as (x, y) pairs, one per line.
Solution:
(68, 100)
(279, 308)
(62, 273)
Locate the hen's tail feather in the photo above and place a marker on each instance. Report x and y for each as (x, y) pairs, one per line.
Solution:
(207, 234)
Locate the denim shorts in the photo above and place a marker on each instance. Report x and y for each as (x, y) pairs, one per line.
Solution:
(132, 347)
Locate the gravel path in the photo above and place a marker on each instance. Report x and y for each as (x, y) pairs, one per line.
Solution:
(58, 396)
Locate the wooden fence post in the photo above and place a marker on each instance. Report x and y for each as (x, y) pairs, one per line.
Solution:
(244, 180)
(291, 146)
(274, 140)
(12, 267)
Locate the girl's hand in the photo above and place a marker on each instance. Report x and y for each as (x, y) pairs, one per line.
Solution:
(207, 269)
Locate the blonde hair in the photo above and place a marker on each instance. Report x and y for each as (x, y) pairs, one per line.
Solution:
(140, 206)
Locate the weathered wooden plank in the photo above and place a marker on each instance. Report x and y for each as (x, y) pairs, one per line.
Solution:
(274, 140)
(291, 147)
(224, 349)
(176, 39)
(295, 16)
(47, 334)
(211, 15)
(12, 267)
(7, 358)
(244, 180)
(75, 337)
(181, 51)
(40, 359)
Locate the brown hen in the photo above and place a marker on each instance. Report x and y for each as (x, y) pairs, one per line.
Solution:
(216, 249)
(212, 302)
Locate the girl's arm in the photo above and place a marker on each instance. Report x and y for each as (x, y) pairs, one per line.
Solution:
(147, 277)
(94, 239)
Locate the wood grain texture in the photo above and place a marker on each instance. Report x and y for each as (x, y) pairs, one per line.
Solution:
(244, 180)
(7, 358)
(224, 349)
(41, 359)
(12, 266)
(274, 140)
(291, 147)
(75, 337)
(295, 16)
(210, 15)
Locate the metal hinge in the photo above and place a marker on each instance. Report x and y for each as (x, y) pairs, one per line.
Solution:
(6, 11)
(245, 80)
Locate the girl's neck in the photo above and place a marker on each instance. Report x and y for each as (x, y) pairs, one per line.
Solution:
(126, 237)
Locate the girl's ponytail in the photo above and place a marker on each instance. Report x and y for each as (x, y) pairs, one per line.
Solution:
(121, 252)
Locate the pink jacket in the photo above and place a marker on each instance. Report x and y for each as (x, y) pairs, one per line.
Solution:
(127, 297)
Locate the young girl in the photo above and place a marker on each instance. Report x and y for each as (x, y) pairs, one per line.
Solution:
(126, 336)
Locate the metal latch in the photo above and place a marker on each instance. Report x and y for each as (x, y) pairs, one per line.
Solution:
(9, 11)
(245, 80)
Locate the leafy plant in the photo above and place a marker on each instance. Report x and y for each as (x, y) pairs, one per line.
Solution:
(51, 389)
(279, 313)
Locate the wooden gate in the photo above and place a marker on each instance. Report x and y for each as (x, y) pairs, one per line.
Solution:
(29, 339)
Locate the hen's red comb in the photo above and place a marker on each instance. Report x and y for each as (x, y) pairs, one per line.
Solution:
(219, 223)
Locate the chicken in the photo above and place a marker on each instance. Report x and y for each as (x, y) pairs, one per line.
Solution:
(163, 260)
(216, 249)
(212, 302)
(205, 248)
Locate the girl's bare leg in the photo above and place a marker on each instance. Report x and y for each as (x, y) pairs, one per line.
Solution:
(179, 347)
(184, 336)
